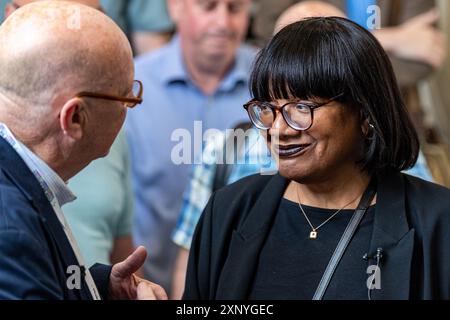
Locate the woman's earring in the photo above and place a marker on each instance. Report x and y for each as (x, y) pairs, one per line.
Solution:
(372, 132)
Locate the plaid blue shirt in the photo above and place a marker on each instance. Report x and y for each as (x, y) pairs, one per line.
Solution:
(255, 160)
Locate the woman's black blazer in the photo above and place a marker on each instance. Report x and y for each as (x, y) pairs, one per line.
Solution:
(412, 226)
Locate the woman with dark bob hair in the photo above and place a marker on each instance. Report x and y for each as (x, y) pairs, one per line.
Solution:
(339, 220)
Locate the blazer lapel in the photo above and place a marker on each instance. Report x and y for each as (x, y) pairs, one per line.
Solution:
(393, 235)
(246, 243)
(16, 169)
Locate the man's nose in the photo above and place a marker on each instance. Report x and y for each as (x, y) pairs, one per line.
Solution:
(223, 16)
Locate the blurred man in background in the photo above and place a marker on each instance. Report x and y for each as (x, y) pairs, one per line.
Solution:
(200, 76)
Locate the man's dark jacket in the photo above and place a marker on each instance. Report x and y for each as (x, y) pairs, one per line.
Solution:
(35, 254)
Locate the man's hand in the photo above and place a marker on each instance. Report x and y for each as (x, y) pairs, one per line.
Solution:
(125, 285)
(417, 39)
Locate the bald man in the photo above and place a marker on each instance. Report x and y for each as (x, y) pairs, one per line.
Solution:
(63, 100)
(101, 218)
(306, 9)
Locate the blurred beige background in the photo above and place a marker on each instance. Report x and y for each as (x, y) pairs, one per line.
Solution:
(435, 100)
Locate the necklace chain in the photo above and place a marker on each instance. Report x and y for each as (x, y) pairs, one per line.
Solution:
(313, 234)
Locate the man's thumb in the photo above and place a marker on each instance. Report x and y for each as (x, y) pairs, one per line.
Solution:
(145, 292)
(131, 264)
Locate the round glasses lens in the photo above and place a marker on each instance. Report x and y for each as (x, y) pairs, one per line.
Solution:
(261, 115)
(298, 115)
(135, 93)
(136, 89)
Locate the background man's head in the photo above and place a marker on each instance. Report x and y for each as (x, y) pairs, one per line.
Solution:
(306, 9)
(52, 50)
(210, 30)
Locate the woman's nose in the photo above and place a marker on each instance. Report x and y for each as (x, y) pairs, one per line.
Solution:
(280, 127)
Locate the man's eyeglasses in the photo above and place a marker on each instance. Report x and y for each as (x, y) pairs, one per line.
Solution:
(299, 115)
(131, 101)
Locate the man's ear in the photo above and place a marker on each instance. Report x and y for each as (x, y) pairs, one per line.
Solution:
(72, 118)
(175, 9)
(9, 9)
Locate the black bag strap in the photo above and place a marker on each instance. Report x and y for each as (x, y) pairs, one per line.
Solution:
(349, 232)
(223, 171)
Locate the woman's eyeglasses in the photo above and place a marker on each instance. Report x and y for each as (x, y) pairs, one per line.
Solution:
(299, 115)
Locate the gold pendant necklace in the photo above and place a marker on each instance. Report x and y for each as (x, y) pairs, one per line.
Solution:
(315, 230)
